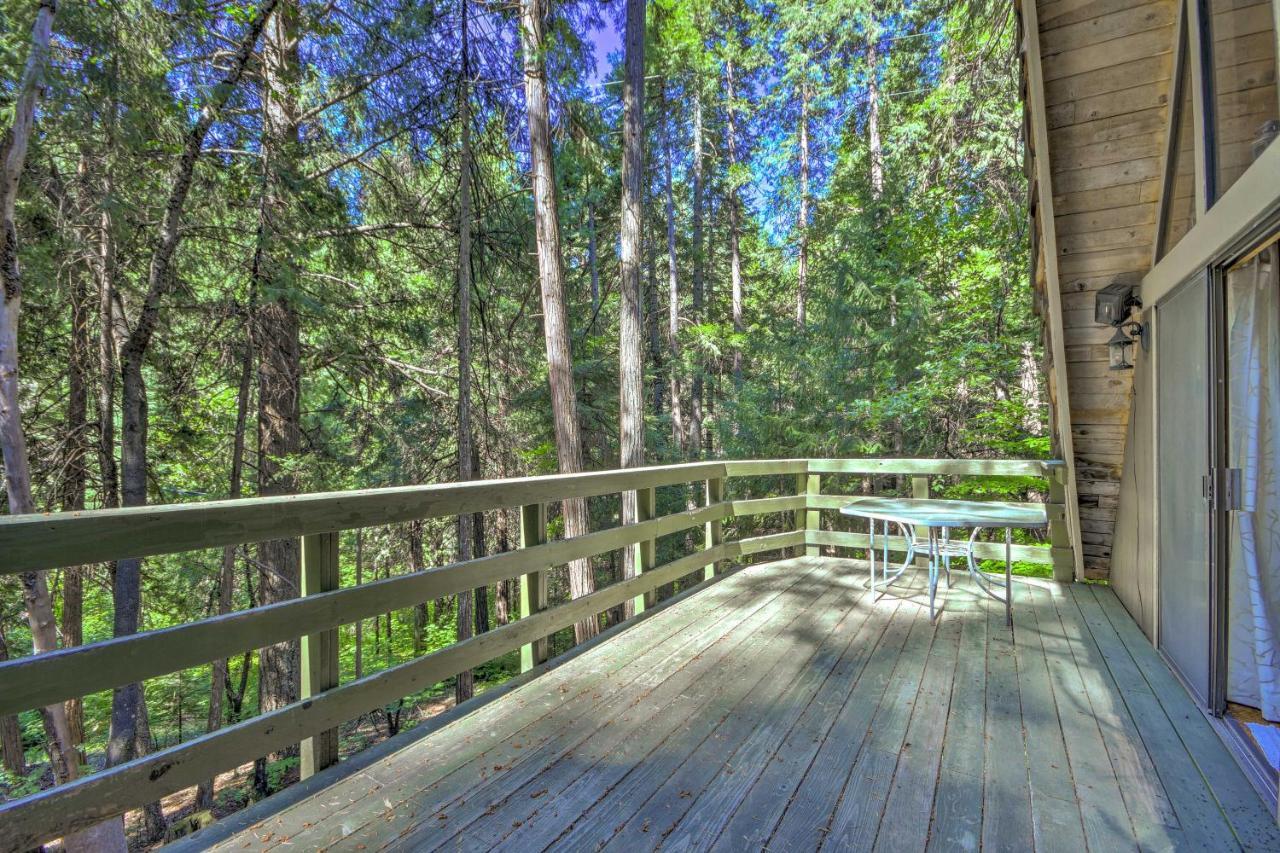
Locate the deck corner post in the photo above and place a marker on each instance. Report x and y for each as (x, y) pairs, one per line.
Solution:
(320, 667)
(808, 519)
(714, 529)
(533, 583)
(646, 550)
(920, 491)
(1060, 543)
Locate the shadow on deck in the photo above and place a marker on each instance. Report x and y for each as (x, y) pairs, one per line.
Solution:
(783, 707)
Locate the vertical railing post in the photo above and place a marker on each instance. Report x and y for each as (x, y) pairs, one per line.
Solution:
(319, 650)
(809, 518)
(714, 529)
(919, 491)
(1059, 532)
(533, 584)
(646, 550)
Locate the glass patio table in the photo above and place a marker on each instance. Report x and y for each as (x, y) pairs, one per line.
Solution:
(938, 518)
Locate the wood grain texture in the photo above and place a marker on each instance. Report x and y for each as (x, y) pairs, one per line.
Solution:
(72, 538)
(785, 708)
(320, 669)
(27, 822)
(32, 682)
(1107, 68)
(636, 661)
(54, 540)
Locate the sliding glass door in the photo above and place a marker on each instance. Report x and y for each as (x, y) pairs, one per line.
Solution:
(1252, 437)
(1182, 452)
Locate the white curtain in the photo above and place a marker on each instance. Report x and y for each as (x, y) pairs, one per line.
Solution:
(1253, 306)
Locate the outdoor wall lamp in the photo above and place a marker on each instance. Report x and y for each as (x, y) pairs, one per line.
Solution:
(1118, 346)
(1112, 307)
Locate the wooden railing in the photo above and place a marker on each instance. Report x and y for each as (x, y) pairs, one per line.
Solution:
(37, 542)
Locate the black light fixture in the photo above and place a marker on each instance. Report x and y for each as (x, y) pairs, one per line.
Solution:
(1112, 307)
(1118, 350)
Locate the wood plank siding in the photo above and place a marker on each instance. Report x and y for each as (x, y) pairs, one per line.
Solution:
(785, 707)
(1106, 68)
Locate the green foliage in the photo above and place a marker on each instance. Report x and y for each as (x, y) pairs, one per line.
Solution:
(919, 338)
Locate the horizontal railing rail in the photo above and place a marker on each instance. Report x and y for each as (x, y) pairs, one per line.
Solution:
(69, 673)
(68, 539)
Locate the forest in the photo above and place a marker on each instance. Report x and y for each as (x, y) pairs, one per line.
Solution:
(272, 247)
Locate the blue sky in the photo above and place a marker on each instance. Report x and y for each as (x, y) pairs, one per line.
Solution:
(606, 39)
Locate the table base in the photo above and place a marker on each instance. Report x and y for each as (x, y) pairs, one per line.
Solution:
(941, 548)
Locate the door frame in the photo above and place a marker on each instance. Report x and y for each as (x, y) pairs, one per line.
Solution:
(1220, 453)
(1201, 277)
(1217, 453)
(1260, 774)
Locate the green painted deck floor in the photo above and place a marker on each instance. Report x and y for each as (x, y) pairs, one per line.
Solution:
(784, 708)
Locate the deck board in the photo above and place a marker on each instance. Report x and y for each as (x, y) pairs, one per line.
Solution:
(1248, 818)
(753, 731)
(1106, 823)
(785, 708)
(580, 766)
(871, 750)
(957, 809)
(772, 666)
(1006, 802)
(1055, 815)
(916, 777)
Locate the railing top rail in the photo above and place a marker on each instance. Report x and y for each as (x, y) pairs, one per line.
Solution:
(951, 467)
(39, 541)
(52, 540)
(45, 541)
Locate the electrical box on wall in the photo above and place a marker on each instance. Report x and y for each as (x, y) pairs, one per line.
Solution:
(1112, 304)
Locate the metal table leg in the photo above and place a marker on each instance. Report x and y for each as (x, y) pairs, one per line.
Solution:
(1008, 576)
(986, 583)
(884, 562)
(933, 570)
(945, 553)
(881, 539)
(871, 554)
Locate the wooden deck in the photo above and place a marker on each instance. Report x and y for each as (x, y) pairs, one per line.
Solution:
(784, 708)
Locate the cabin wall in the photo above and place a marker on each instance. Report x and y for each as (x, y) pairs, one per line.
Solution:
(1133, 552)
(1106, 66)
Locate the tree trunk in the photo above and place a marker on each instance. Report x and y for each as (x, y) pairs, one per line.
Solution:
(416, 562)
(75, 476)
(464, 688)
(593, 261)
(13, 445)
(227, 577)
(673, 290)
(359, 661)
(874, 148)
(12, 755)
(126, 585)
(651, 314)
(802, 224)
(478, 549)
(276, 338)
(387, 648)
(708, 435)
(111, 337)
(694, 443)
(735, 226)
(154, 823)
(126, 591)
(630, 355)
(13, 155)
(875, 156)
(502, 594)
(481, 593)
(564, 407)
